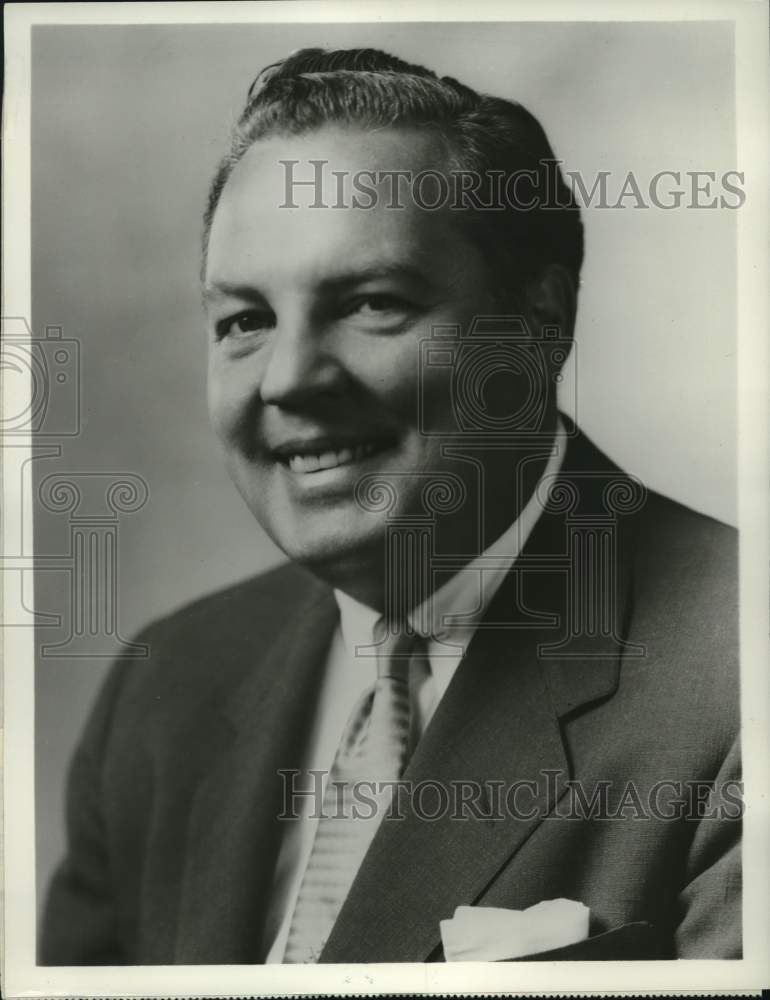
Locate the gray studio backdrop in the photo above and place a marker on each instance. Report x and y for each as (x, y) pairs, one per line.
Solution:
(127, 125)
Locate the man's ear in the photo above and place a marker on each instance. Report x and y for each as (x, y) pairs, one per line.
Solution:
(552, 300)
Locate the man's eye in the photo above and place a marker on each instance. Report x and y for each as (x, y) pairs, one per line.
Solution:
(379, 308)
(250, 321)
(381, 304)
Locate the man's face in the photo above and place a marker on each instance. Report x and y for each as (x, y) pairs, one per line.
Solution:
(315, 319)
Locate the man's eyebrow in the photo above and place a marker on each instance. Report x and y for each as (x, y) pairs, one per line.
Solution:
(234, 290)
(345, 279)
(359, 275)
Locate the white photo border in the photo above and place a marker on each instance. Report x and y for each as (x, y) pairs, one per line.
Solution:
(21, 976)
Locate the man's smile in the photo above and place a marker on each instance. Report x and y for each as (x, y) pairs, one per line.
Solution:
(318, 454)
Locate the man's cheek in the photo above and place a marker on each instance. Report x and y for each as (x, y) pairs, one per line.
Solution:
(219, 414)
(228, 406)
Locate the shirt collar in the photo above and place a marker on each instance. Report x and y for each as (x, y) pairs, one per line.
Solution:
(472, 587)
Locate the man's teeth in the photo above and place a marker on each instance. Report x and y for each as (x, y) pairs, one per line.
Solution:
(331, 459)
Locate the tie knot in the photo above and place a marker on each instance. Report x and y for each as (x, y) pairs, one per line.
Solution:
(397, 648)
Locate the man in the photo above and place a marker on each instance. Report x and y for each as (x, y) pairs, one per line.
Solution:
(496, 672)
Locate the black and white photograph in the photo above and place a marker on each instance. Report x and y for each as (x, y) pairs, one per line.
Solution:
(385, 508)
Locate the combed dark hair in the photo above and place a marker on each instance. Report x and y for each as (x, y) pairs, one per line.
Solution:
(485, 135)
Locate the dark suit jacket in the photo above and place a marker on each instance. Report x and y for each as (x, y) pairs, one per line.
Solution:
(174, 791)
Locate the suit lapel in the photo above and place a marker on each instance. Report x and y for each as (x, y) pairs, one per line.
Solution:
(494, 722)
(233, 833)
(499, 721)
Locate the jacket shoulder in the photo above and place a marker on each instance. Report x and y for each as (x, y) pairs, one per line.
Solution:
(678, 547)
(671, 541)
(685, 616)
(679, 568)
(200, 653)
(263, 602)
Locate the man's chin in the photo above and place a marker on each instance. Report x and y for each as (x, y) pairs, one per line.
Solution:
(343, 553)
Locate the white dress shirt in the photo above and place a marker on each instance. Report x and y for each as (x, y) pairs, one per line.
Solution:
(348, 676)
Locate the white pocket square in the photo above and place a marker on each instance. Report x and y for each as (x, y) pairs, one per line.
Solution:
(492, 934)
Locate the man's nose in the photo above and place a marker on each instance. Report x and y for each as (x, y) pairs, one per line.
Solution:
(302, 363)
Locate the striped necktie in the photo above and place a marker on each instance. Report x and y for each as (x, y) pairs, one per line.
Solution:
(374, 748)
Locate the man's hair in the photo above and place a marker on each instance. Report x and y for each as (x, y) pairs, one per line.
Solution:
(487, 136)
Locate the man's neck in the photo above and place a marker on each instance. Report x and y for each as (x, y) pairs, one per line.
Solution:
(402, 571)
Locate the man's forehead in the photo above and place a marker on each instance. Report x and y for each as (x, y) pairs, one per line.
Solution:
(264, 223)
(335, 168)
